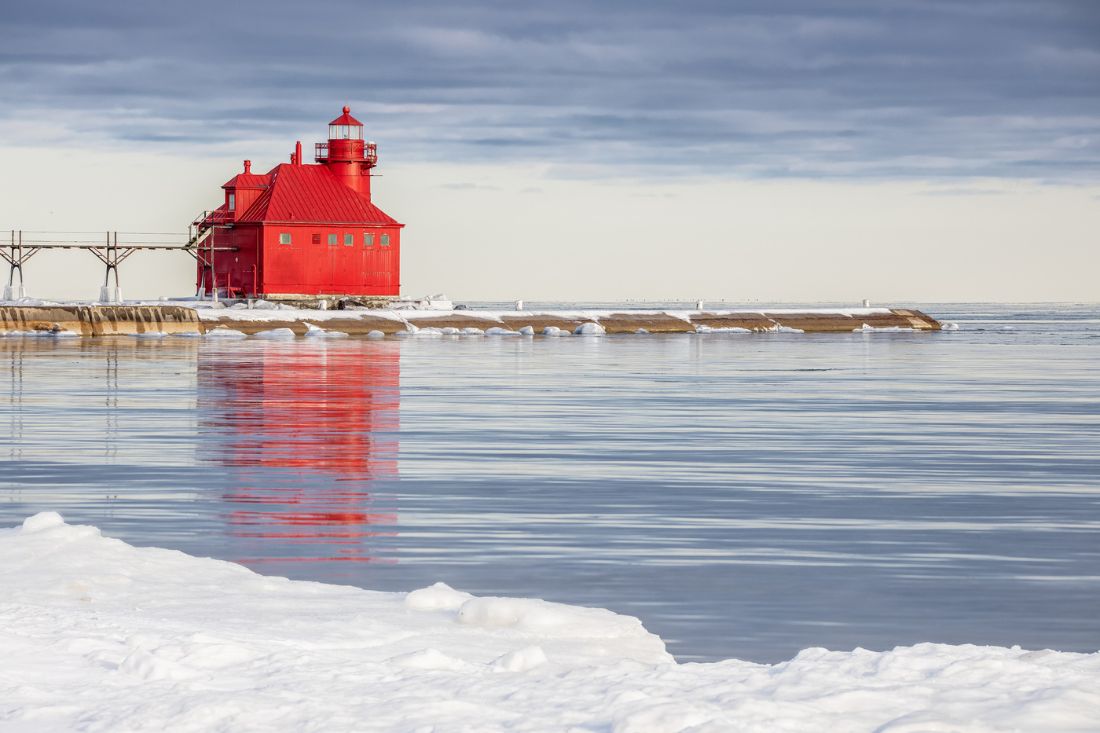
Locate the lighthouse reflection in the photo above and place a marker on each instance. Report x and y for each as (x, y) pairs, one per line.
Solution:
(307, 435)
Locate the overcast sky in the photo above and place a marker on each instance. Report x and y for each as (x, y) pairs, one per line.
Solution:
(514, 134)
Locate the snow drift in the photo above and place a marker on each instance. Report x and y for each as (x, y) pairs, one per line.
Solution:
(98, 635)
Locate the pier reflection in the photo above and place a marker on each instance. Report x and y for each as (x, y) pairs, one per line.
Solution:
(307, 434)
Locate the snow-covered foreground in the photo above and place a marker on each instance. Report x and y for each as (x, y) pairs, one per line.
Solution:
(98, 635)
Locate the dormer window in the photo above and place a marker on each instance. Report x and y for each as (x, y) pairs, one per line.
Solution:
(232, 202)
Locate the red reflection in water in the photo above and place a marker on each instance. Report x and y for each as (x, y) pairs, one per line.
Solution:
(304, 430)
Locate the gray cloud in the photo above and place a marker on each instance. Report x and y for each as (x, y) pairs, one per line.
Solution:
(866, 89)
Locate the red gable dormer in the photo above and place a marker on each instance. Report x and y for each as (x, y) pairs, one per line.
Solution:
(242, 190)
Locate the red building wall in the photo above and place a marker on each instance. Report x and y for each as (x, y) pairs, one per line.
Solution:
(309, 265)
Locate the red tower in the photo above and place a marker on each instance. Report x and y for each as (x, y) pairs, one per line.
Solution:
(303, 230)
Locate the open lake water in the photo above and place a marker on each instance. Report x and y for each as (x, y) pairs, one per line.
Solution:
(744, 495)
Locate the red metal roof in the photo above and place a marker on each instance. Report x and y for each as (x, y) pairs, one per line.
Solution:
(312, 194)
(247, 180)
(346, 119)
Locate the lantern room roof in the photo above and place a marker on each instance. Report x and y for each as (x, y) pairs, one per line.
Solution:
(346, 119)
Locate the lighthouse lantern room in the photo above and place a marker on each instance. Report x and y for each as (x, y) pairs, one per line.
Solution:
(303, 231)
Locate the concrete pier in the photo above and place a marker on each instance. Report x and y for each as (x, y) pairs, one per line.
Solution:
(390, 322)
(110, 320)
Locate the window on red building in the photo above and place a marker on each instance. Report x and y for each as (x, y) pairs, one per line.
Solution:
(349, 240)
(284, 238)
(385, 240)
(368, 240)
(316, 238)
(332, 239)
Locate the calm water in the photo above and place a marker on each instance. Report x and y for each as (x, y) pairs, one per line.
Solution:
(745, 496)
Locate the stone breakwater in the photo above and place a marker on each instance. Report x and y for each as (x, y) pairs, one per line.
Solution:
(99, 320)
(110, 320)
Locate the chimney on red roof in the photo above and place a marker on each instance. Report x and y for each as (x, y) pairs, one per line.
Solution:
(298, 153)
(248, 166)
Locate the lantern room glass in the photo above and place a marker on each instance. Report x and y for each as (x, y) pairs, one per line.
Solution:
(345, 132)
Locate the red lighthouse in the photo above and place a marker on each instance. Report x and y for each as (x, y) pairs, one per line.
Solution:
(304, 231)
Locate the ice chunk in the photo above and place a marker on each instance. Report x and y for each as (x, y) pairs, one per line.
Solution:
(550, 620)
(225, 333)
(701, 328)
(551, 331)
(375, 334)
(438, 597)
(451, 331)
(275, 334)
(498, 331)
(949, 327)
(472, 331)
(315, 331)
(591, 328)
(520, 660)
(428, 659)
(420, 332)
(527, 331)
(41, 521)
(882, 329)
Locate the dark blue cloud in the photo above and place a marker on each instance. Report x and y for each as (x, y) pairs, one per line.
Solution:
(856, 88)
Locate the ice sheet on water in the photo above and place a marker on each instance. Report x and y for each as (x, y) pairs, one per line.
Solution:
(107, 636)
